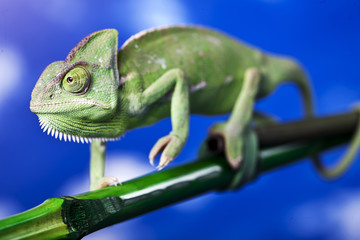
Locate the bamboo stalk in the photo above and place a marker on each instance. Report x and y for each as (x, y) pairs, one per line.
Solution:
(76, 216)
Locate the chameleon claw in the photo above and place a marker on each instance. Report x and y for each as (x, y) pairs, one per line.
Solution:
(169, 146)
(164, 161)
(152, 155)
(108, 181)
(158, 148)
(159, 168)
(151, 160)
(232, 140)
(234, 162)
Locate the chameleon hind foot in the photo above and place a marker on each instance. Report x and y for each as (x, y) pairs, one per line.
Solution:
(232, 130)
(170, 146)
(232, 137)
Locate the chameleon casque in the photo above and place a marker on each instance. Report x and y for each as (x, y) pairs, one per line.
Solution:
(99, 92)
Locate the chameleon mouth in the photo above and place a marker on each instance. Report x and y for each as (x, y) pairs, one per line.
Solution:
(47, 127)
(38, 107)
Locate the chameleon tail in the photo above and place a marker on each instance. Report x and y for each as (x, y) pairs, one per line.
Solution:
(345, 161)
(300, 79)
(285, 70)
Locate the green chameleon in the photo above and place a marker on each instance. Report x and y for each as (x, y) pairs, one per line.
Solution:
(99, 92)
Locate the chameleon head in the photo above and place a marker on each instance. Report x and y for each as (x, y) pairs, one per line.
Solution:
(78, 98)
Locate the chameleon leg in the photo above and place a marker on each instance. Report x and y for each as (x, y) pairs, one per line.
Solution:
(231, 131)
(173, 80)
(97, 166)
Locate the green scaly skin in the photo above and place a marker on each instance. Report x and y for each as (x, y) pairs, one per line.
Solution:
(98, 93)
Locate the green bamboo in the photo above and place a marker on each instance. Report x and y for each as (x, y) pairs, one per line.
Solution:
(76, 216)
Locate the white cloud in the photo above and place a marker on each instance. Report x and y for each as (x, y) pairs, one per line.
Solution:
(8, 208)
(143, 14)
(127, 166)
(335, 217)
(11, 68)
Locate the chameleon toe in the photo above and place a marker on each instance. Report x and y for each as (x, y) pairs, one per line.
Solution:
(108, 181)
(164, 161)
(232, 142)
(158, 148)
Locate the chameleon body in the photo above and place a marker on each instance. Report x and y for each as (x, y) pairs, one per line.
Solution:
(99, 92)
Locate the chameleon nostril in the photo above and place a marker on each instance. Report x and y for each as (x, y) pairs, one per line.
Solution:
(51, 96)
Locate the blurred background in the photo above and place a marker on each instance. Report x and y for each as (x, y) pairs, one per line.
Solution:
(291, 203)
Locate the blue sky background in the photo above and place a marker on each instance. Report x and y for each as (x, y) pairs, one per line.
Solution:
(291, 203)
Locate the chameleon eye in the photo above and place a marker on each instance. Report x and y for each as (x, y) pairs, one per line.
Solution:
(69, 80)
(77, 80)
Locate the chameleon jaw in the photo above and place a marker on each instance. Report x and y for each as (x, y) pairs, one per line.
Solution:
(46, 127)
(36, 108)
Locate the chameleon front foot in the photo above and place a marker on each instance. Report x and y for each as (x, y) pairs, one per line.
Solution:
(170, 146)
(104, 182)
(233, 142)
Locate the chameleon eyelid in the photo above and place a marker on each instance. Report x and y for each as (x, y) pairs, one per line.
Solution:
(62, 74)
(77, 79)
